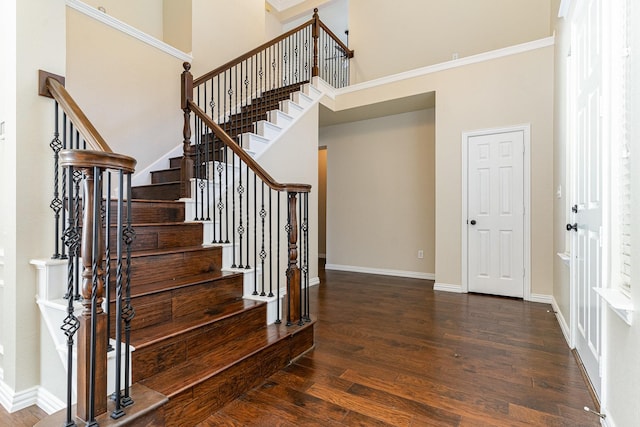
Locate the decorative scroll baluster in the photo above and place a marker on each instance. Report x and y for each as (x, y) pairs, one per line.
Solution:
(56, 202)
(128, 313)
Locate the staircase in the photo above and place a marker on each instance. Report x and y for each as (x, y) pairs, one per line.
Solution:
(262, 119)
(196, 340)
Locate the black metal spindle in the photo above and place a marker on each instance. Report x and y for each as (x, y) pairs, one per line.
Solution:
(71, 323)
(263, 254)
(241, 228)
(248, 230)
(278, 248)
(118, 411)
(56, 202)
(107, 273)
(128, 312)
(94, 294)
(233, 208)
(270, 247)
(300, 260)
(307, 316)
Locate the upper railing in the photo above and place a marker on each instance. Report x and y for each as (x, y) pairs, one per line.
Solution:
(87, 210)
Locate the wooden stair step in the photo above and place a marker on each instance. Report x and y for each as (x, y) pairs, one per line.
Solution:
(200, 387)
(166, 175)
(164, 346)
(170, 264)
(179, 283)
(162, 191)
(164, 235)
(147, 410)
(167, 301)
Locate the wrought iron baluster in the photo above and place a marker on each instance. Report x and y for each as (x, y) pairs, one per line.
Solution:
(107, 274)
(71, 323)
(270, 246)
(278, 248)
(116, 397)
(128, 313)
(56, 202)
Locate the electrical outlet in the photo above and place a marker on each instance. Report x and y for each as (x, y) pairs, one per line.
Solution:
(420, 254)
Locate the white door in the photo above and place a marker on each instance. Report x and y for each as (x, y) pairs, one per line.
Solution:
(587, 180)
(495, 214)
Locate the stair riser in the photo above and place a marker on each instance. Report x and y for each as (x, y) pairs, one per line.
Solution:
(162, 176)
(149, 237)
(169, 191)
(171, 304)
(157, 268)
(197, 403)
(163, 355)
(148, 213)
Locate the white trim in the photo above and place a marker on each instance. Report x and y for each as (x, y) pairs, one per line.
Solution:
(467, 60)
(564, 327)
(563, 11)
(48, 402)
(540, 298)
(281, 5)
(1, 354)
(314, 281)
(128, 29)
(446, 287)
(13, 401)
(381, 271)
(526, 133)
(565, 257)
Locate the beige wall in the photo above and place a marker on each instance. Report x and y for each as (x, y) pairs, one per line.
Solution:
(506, 91)
(322, 200)
(145, 15)
(389, 39)
(381, 192)
(218, 37)
(26, 220)
(294, 158)
(128, 89)
(176, 24)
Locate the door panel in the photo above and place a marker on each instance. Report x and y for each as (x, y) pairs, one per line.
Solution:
(495, 203)
(586, 242)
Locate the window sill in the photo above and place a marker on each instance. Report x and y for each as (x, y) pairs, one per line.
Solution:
(618, 302)
(565, 257)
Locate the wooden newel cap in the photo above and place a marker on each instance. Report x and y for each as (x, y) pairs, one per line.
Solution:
(186, 66)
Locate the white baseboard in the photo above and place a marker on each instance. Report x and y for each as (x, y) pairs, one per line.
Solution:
(381, 271)
(446, 287)
(13, 401)
(45, 400)
(314, 281)
(48, 402)
(541, 298)
(564, 326)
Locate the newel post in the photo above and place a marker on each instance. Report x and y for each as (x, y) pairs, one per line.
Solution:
(293, 271)
(315, 71)
(92, 334)
(186, 165)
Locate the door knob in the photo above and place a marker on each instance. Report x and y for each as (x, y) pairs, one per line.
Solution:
(573, 227)
(473, 222)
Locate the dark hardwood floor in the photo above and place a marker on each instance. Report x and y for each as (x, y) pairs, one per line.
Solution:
(391, 351)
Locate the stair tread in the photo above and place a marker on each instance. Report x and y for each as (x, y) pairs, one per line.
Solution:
(178, 283)
(197, 370)
(141, 338)
(165, 251)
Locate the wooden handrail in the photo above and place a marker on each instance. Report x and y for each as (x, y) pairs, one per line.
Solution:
(343, 46)
(77, 117)
(249, 54)
(91, 158)
(244, 156)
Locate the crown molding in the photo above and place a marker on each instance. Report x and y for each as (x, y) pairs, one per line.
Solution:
(128, 29)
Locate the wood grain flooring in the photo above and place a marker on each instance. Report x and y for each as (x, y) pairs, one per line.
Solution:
(393, 352)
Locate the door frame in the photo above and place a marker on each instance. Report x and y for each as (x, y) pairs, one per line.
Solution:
(526, 170)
